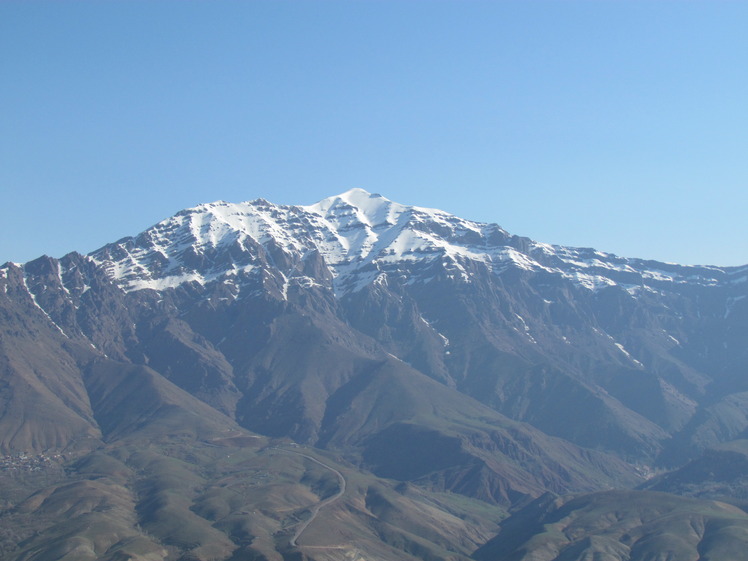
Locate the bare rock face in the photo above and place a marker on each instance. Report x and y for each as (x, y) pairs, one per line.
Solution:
(209, 382)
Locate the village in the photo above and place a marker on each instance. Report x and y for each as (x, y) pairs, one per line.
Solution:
(25, 463)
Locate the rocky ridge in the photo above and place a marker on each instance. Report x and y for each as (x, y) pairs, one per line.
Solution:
(431, 357)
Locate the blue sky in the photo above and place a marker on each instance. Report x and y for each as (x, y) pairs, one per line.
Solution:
(621, 125)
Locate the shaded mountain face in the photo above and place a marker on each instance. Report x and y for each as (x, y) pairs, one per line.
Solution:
(620, 526)
(719, 473)
(642, 352)
(407, 344)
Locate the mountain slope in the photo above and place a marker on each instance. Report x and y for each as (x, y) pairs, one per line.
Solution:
(620, 526)
(450, 369)
(638, 344)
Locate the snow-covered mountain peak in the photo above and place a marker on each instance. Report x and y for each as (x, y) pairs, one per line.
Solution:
(372, 209)
(356, 197)
(357, 206)
(353, 231)
(359, 236)
(370, 232)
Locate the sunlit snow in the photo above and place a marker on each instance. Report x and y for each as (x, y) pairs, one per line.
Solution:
(358, 235)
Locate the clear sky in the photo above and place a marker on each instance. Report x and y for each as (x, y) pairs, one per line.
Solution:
(620, 125)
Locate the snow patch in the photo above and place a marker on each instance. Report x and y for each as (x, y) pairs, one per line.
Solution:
(59, 276)
(731, 303)
(360, 235)
(33, 299)
(590, 282)
(526, 328)
(625, 352)
(444, 339)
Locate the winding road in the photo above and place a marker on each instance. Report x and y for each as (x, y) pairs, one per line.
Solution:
(316, 508)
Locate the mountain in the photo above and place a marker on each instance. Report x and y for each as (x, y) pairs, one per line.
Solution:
(430, 370)
(719, 473)
(620, 526)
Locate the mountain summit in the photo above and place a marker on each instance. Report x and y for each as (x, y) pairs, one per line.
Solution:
(355, 233)
(359, 236)
(361, 379)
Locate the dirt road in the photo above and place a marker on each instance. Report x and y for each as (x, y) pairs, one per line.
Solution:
(316, 508)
